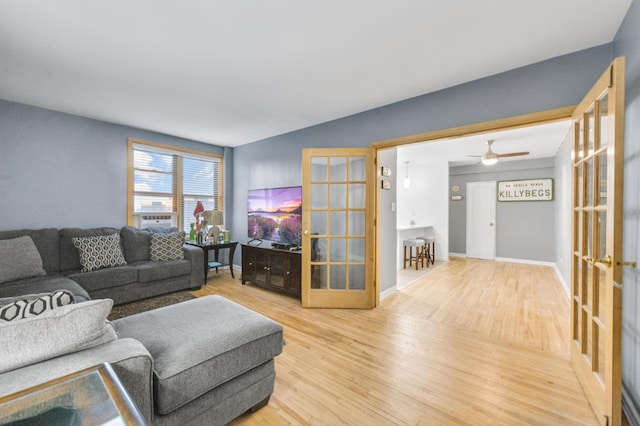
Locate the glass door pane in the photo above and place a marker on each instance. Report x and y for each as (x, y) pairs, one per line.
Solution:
(336, 221)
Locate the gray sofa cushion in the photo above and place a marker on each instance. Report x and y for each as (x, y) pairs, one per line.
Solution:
(47, 242)
(19, 258)
(136, 244)
(56, 332)
(199, 344)
(105, 278)
(69, 257)
(155, 271)
(44, 284)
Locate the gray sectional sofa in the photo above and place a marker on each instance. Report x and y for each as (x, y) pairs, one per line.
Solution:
(200, 362)
(139, 278)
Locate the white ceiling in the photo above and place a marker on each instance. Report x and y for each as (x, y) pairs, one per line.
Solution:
(541, 141)
(233, 72)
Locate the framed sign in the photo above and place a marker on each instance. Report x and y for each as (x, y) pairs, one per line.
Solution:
(526, 190)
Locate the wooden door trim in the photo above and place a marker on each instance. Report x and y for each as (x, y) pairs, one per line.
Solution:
(508, 123)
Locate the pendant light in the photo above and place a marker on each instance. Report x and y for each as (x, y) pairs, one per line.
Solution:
(407, 181)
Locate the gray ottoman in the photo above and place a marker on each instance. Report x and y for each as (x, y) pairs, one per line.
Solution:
(213, 358)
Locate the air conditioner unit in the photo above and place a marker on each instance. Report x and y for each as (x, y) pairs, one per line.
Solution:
(155, 220)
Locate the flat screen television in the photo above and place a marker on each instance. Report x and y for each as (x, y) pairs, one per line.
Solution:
(275, 214)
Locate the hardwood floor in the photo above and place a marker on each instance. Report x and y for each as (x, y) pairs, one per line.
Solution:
(474, 342)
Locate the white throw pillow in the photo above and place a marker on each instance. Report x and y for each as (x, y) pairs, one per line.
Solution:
(60, 331)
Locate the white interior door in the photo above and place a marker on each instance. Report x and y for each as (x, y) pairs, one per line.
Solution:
(481, 220)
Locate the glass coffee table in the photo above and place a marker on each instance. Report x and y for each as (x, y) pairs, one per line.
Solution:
(91, 397)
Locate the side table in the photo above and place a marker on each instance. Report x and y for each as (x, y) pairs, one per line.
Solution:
(216, 247)
(89, 397)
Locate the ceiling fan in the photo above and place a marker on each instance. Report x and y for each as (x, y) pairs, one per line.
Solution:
(491, 158)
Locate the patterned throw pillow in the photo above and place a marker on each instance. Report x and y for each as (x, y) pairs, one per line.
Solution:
(34, 304)
(100, 251)
(167, 246)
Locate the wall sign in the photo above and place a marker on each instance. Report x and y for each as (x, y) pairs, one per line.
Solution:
(526, 190)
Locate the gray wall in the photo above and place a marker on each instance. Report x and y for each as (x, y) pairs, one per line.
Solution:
(627, 43)
(59, 170)
(546, 85)
(387, 238)
(524, 230)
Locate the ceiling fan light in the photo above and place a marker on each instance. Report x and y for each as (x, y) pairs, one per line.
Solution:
(489, 159)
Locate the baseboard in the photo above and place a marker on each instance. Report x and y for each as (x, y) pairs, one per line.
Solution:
(526, 261)
(629, 407)
(457, 254)
(565, 286)
(388, 292)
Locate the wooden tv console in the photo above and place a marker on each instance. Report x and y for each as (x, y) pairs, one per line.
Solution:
(274, 269)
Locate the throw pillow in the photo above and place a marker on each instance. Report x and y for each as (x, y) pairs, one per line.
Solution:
(60, 331)
(167, 246)
(100, 251)
(19, 258)
(32, 305)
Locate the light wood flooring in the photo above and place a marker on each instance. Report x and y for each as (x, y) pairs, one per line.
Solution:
(472, 343)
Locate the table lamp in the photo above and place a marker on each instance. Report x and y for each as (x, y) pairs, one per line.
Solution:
(216, 218)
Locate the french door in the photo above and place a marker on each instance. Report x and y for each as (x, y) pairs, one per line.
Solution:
(596, 271)
(338, 208)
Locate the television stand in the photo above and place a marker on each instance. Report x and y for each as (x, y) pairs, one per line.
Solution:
(271, 268)
(280, 246)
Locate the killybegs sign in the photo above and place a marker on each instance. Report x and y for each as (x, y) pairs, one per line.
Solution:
(526, 190)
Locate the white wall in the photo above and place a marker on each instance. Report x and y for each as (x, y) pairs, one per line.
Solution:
(426, 200)
(563, 169)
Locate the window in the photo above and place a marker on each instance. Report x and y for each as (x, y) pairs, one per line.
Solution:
(166, 179)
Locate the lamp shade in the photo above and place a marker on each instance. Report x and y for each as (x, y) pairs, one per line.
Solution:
(214, 217)
(407, 181)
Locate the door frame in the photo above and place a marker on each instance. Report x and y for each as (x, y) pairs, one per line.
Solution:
(507, 123)
(514, 122)
(472, 205)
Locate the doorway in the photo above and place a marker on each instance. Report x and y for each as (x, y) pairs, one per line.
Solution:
(481, 220)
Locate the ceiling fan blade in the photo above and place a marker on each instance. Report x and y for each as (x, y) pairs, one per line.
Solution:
(513, 154)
